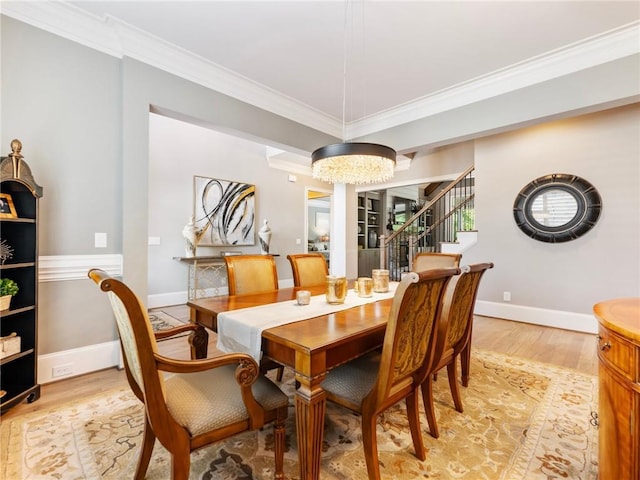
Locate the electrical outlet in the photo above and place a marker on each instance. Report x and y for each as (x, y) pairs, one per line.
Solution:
(506, 296)
(62, 370)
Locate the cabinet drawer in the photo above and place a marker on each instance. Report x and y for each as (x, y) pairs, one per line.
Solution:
(617, 353)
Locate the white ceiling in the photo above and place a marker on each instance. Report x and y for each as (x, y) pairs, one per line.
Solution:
(397, 52)
(399, 61)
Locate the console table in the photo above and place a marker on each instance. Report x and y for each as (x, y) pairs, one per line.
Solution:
(206, 272)
(619, 388)
(203, 273)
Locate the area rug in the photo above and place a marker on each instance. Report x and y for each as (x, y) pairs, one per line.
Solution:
(522, 420)
(163, 321)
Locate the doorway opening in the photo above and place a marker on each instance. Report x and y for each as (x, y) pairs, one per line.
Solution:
(318, 213)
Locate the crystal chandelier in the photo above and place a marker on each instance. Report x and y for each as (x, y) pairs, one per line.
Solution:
(355, 163)
(352, 162)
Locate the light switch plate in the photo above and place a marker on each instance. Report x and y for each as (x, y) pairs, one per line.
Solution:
(100, 240)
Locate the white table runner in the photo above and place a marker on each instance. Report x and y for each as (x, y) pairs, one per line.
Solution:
(241, 330)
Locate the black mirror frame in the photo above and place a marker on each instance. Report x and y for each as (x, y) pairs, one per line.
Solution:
(587, 199)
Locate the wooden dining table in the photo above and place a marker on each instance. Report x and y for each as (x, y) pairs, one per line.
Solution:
(311, 348)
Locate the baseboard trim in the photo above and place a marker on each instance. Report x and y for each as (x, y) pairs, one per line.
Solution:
(578, 322)
(78, 361)
(166, 299)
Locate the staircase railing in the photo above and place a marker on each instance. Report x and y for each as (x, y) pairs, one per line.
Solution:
(437, 222)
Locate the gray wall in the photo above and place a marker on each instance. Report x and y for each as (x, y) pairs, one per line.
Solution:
(180, 150)
(83, 118)
(603, 148)
(63, 101)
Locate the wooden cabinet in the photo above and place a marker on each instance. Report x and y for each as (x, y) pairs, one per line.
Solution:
(368, 260)
(619, 389)
(19, 239)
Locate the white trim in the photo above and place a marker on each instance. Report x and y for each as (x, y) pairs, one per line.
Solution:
(606, 47)
(90, 358)
(578, 322)
(119, 39)
(66, 21)
(75, 267)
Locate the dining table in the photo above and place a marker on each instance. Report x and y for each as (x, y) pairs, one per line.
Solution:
(310, 347)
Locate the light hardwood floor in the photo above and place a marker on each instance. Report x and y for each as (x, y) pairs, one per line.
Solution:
(562, 348)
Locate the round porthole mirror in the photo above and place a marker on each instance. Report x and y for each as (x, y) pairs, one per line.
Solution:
(557, 208)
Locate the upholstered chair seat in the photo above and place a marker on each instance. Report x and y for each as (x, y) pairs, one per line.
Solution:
(210, 400)
(353, 381)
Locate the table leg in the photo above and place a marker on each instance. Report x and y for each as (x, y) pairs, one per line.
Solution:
(310, 410)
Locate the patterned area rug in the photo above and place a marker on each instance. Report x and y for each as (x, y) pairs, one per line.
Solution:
(522, 420)
(163, 321)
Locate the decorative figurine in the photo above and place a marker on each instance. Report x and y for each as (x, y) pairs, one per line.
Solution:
(265, 238)
(192, 236)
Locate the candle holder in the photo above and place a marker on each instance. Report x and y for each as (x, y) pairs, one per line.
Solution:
(380, 280)
(336, 289)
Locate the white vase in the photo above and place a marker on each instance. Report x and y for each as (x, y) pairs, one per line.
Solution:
(191, 237)
(265, 238)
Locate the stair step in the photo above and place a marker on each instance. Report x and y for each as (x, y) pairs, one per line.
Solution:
(465, 241)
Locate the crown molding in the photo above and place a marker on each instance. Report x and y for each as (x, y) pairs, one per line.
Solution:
(119, 39)
(66, 21)
(613, 45)
(116, 38)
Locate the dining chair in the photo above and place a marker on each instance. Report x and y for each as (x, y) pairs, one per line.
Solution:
(309, 269)
(190, 404)
(249, 274)
(427, 260)
(456, 322)
(371, 384)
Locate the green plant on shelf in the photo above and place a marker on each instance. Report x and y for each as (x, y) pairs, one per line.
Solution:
(8, 287)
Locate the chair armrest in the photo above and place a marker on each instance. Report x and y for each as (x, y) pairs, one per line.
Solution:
(170, 332)
(173, 365)
(246, 374)
(198, 339)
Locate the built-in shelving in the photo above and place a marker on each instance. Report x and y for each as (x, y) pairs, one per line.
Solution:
(370, 224)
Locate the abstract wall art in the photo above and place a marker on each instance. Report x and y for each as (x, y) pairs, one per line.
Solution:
(225, 210)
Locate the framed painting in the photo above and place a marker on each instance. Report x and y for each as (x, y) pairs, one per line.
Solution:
(225, 211)
(7, 208)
